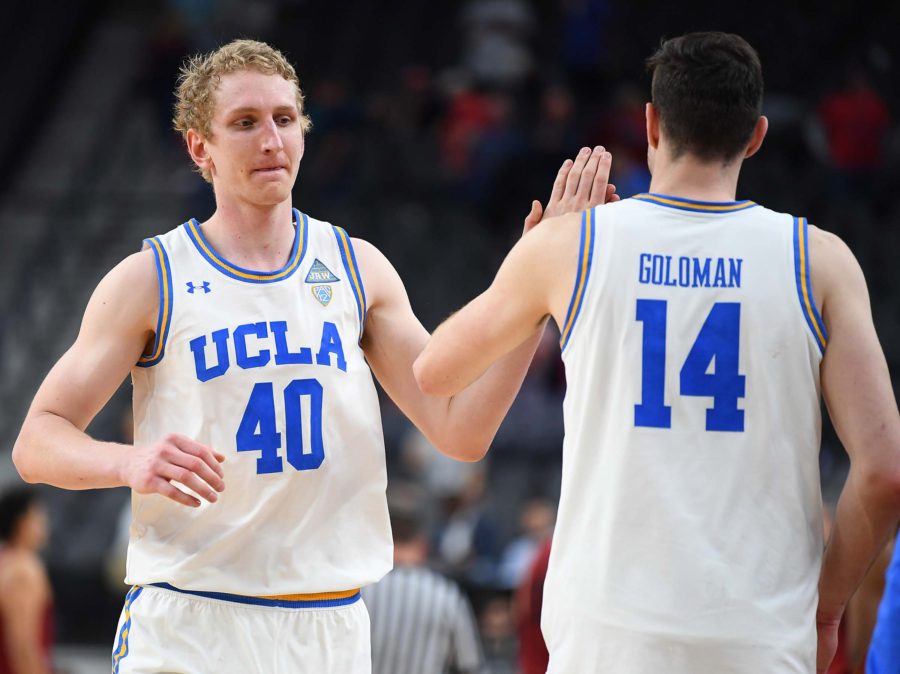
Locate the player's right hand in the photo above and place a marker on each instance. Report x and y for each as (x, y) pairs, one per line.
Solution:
(580, 183)
(153, 468)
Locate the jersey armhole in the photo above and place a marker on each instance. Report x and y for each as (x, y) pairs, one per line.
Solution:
(348, 257)
(804, 284)
(585, 258)
(164, 318)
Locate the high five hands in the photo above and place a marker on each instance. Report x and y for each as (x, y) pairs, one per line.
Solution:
(580, 184)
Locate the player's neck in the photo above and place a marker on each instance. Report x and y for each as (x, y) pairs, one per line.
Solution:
(254, 237)
(690, 178)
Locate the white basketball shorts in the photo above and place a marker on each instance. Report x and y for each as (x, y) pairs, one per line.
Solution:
(162, 629)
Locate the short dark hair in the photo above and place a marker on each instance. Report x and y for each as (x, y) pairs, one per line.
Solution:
(14, 503)
(707, 89)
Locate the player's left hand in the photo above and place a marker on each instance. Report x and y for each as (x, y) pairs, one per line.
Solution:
(580, 184)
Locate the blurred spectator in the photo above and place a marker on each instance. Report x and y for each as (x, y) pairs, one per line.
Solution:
(536, 524)
(855, 121)
(622, 129)
(26, 599)
(624, 124)
(498, 635)
(585, 42)
(411, 108)
(440, 476)
(628, 175)
(167, 45)
(495, 35)
(336, 116)
(199, 18)
(469, 116)
(555, 133)
(533, 654)
(502, 143)
(421, 621)
(467, 543)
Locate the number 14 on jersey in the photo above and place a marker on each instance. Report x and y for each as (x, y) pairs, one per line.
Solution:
(716, 347)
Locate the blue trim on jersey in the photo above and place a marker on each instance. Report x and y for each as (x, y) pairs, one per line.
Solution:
(694, 205)
(164, 319)
(585, 259)
(120, 652)
(804, 284)
(262, 601)
(298, 250)
(884, 648)
(815, 309)
(348, 257)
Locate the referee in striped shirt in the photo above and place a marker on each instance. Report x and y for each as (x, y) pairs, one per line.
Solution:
(421, 621)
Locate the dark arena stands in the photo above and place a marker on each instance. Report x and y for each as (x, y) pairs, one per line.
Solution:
(434, 126)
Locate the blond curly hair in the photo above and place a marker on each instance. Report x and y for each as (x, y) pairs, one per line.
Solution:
(200, 76)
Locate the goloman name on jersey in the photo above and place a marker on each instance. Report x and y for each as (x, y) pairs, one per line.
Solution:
(690, 272)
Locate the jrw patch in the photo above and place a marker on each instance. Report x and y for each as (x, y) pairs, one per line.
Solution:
(319, 273)
(323, 294)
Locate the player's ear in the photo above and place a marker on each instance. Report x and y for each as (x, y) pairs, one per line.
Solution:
(652, 126)
(759, 133)
(196, 147)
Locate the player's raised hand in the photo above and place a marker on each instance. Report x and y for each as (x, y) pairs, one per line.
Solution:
(580, 184)
(152, 469)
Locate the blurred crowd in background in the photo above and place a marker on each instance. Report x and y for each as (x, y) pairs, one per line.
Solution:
(434, 126)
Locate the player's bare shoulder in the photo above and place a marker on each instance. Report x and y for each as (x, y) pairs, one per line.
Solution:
(550, 259)
(833, 268)
(379, 278)
(127, 299)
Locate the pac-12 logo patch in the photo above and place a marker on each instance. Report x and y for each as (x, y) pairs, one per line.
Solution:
(319, 273)
(192, 288)
(323, 294)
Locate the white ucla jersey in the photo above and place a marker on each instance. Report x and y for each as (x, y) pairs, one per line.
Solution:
(266, 368)
(689, 537)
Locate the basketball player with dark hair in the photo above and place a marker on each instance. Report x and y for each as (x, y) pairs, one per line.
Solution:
(699, 333)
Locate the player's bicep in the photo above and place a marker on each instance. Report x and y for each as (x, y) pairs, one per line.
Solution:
(535, 280)
(115, 330)
(393, 335)
(855, 379)
(514, 305)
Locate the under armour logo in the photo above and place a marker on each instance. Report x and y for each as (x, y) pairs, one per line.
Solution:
(203, 286)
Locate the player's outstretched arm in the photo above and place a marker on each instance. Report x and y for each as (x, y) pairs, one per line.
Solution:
(857, 389)
(463, 426)
(532, 284)
(52, 446)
